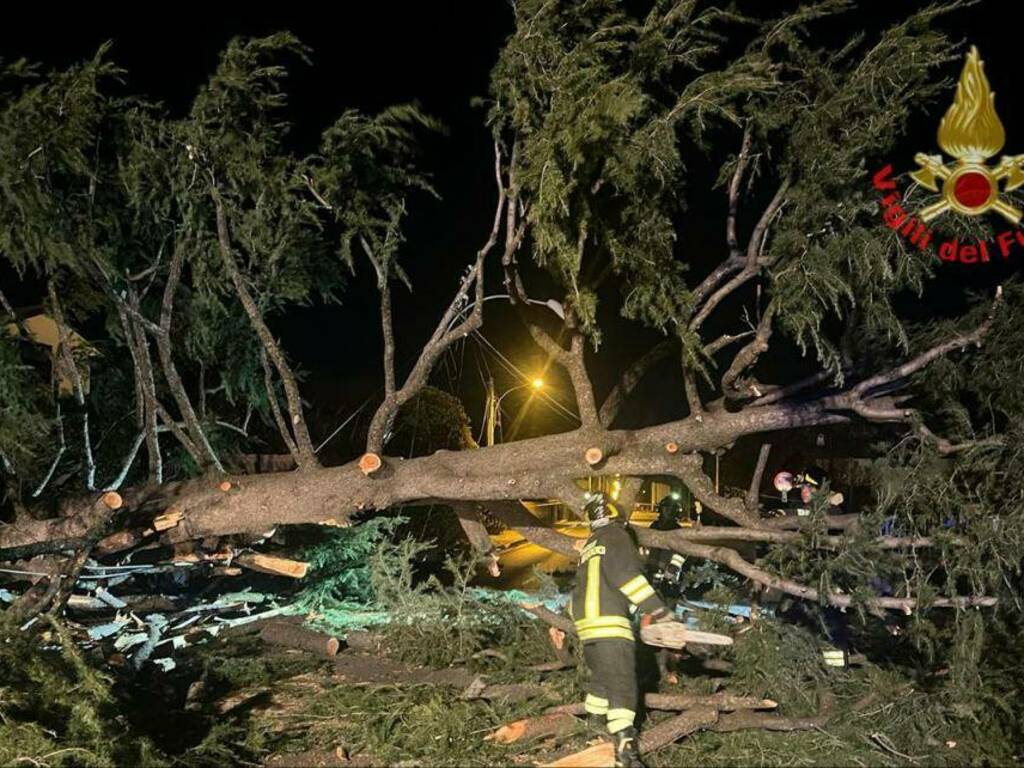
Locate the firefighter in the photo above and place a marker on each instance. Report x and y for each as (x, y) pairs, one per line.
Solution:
(667, 566)
(811, 482)
(610, 588)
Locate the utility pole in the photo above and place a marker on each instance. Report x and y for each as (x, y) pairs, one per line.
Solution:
(491, 412)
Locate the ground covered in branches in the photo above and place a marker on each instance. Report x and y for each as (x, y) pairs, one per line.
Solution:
(238, 701)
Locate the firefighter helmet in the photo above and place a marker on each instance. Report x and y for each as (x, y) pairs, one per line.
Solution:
(814, 477)
(597, 507)
(670, 508)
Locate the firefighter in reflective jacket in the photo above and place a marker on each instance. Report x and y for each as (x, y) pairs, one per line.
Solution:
(610, 586)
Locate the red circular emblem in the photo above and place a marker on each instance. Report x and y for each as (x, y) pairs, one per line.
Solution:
(972, 189)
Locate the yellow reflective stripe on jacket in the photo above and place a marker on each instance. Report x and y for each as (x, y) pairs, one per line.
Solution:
(637, 589)
(606, 633)
(603, 621)
(592, 608)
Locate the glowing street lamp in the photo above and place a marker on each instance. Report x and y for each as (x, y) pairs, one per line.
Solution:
(494, 403)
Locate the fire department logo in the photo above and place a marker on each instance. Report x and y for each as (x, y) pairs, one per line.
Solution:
(971, 133)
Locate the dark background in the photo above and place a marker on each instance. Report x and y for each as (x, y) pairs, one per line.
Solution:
(369, 55)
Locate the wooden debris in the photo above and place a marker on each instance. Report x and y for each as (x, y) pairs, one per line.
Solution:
(513, 692)
(292, 636)
(672, 447)
(227, 570)
(365, 642)
(563, 623)
(369, 463)
(720, 702)
(168, 519)
(112, 500)
(533, 728)
(593, 456)
(598, 756)
(674, 634)
(117, 542)
(363, 669)
(277, 566)
(673, 729)
(738, 721)
(311, 759)
(225, 486)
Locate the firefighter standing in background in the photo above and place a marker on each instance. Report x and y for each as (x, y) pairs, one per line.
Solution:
(666, 569)
(667, 566)
(610, 587)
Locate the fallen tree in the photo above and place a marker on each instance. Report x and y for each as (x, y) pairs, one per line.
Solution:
(219, 261)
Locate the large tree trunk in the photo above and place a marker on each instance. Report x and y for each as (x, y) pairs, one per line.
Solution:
(536, 468)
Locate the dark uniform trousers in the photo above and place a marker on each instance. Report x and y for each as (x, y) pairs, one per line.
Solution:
(610, 586)
(613, 688)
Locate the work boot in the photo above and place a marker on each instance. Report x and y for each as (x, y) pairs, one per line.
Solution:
(627, 751)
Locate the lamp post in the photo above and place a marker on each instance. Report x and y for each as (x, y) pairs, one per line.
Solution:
(492, 415)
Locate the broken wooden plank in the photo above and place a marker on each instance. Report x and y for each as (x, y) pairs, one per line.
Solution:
(277, 566)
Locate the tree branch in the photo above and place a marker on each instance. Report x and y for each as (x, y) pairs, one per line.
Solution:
(304, 445)
(755, 481)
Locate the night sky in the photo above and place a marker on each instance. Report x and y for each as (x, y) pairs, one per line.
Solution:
(369, 55)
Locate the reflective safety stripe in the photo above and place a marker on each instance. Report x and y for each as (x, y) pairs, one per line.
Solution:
(605, 633)
(603, 621)
(637, 589)
(834, 658)
(619, 719)
(592, 607)
(678, 560)
(595, 705)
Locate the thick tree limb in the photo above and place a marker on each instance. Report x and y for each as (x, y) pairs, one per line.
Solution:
(163, 343)
(538, 468)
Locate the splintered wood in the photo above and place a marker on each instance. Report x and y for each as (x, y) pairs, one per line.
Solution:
(277, 566)
(533, 728)
(598, 756)
(168, 519)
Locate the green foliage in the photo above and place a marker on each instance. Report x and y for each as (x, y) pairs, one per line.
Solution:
(58, 710)
(592, 100)
(832, 123)
(341, 564)
(24, 423)
(433, 420)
